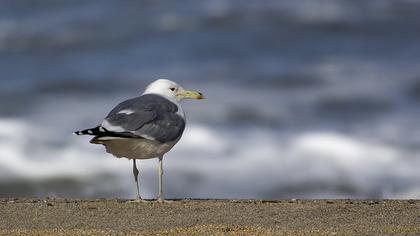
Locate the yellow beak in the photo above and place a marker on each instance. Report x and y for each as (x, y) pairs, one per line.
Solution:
(191, 94)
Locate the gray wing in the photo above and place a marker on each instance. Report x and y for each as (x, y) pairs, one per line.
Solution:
(149, 116)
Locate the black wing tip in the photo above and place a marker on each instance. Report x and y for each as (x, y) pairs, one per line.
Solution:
(102, 132)
(92, 131)
(82, 132)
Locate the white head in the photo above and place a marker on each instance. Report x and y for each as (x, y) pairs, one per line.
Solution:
(171, 90)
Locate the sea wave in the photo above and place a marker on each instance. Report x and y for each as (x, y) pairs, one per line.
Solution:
(303, 100)
(214, 163)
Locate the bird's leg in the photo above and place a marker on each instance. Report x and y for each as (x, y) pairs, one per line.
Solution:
(160, 171)
(136, 174)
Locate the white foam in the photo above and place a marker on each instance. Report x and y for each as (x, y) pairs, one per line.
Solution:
(342, 150)
(25, 158)
(208, 162)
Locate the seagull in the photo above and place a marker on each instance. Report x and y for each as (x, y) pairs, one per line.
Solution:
(145, 127)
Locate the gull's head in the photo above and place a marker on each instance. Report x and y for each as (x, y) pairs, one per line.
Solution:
(171, 90)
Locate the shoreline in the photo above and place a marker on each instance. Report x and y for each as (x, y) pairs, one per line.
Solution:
(194, 217)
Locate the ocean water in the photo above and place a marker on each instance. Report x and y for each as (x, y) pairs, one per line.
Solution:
(305, 99)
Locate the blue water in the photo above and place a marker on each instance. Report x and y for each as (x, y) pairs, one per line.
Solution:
(305, 99)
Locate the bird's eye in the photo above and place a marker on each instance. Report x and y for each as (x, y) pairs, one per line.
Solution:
(172, 89)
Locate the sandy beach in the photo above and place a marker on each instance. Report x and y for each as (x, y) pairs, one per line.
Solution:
(196, 217)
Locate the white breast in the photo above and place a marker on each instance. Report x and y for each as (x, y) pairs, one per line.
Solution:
(180, 112)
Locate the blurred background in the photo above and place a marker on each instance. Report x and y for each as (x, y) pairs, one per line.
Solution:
(305, 99)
